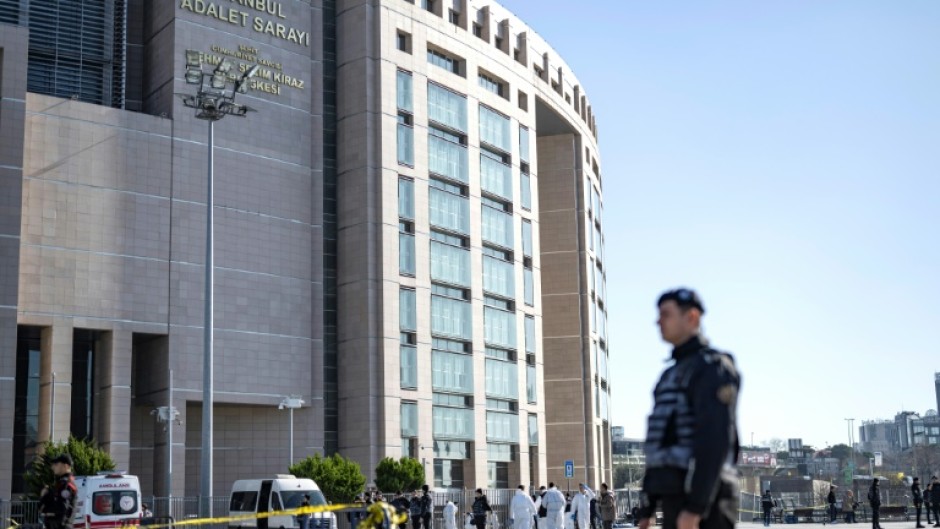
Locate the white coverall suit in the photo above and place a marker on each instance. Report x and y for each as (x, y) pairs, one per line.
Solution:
(581, 507)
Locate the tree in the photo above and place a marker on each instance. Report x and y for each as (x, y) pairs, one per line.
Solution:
(406, 473)
(782, 455)
(87, 460)
(776, 444)
(842, 452)
(339, 479)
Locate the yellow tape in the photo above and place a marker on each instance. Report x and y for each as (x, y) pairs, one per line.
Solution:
(377, 514)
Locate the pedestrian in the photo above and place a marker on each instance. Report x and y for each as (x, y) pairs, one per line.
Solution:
(928, 503)
(145, 511)
(581, 506)
(427, 507)
(481, 509)
(767, 504)
(522, 509)
(57, 503)
(850, 506)
(304, 517)
(692, 440)
(415, 510)
(402, 506)
(874, 500)
(935, 499)
(450, 515)
(918, 498)
(554, 503)
(831, 499)
(607, 505)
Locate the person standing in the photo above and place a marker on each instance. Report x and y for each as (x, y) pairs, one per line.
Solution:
(554, 503)
(522, 509)
(57, 503)
(918, 499)
(767, 504)
(607, 505)
(927, 501)
(874, 500)
(304, 517)
(692, 441)
(415, 510)
(427, 507)
(450, 515)
(481, 508)
(581, 506)
(935, 499)
(850, 506)
(402, 506)
(831, 499)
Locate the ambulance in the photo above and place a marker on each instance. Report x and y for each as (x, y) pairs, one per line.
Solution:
(109, 499)
(251, 497)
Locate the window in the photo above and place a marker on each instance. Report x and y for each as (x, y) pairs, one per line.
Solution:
(498, 277)
(524, 144)
(497, 475)
(528, 283)
(499, 327)
(448, 474)
(403, 41)
(404, 91)
(409, 419)
(533, 429)
(114, 502)
(531, 385)
(525, 184)
(243, 501)
(523, 101)
(451, 372)
(495, 175)
(596, 203)
(452, 450)
(450, 264)
(494, 129)
(454, 17)
(427, 5)
(598, 244)
(497, 225)
(446, 157)
(500, 452)
(451, 318)
(409, 367)
(445, 60)
(407, 310)
(491, 83)
(406, 198)
(446, 107)
(406, 142)
(502, 379)
(530, 334)
(452, 423)
(448, 211)
(526, 238)
(502, 427)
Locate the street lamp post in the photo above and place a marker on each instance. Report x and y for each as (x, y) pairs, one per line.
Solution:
(291, 403)
(168, 414)
(213, 101)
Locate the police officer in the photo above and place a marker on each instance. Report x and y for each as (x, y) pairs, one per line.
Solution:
(58, 502)
(918, 499)
(692, 439)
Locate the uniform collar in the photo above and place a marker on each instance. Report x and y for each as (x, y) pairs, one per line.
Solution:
(687, 349)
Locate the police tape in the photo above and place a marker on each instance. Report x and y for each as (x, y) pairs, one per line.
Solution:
(379, 515)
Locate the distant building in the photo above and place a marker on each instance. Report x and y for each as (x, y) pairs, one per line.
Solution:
(936, 387)
(904, 423)
(878, 436)
(628, 451)
(616, 433)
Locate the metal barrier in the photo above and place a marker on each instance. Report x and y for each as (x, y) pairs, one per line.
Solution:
(19, 511)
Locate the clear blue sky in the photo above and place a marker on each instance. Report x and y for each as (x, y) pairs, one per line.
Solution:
(782, 158)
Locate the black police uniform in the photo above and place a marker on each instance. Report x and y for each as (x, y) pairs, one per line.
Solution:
(58, 503)
(692, 440)
(874, 501)
(918, 498)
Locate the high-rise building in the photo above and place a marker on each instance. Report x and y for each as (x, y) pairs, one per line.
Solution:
(936, 387)
(878, 436)
(408, 237)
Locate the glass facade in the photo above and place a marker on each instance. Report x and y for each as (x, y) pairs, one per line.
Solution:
(450, 264)
(497, 227)
(451, 318)
(405, 91)
(409, 367)
(407, 310)
(447, 158)
(494, 129)
(502, 427)
(447, 108)
(498, 277)
(452, 372)
(495, 177)
(449, 211)
(499, 327)
(502, 379)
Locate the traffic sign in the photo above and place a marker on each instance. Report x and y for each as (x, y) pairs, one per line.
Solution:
(569, 469)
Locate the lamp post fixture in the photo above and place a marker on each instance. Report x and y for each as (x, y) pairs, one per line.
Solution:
(291, 403)
(213, 101)
(168, 415)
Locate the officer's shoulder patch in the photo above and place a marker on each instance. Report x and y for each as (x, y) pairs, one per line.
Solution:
(66, 493)
(727, 393)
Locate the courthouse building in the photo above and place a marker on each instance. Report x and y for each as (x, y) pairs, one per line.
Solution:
(408, 236)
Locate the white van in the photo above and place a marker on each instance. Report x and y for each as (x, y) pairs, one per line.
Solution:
(284, 491)
(110, 499)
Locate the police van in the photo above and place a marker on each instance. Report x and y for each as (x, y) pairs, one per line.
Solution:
(251, 497)
(109, 499)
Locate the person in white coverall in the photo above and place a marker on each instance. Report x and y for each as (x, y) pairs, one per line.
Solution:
(522, 510)
(554, 503)
(450, 515)
(581, 506)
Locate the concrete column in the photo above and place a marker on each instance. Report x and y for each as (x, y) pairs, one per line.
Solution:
(56, 357)
(113, 395)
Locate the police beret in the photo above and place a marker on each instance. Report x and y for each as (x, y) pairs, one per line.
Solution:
(63, 458)
(686, 298)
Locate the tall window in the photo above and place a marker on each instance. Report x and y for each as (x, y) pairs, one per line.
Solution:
(447, 108)
(502, 427)
(494, 129)
(499, 327)
(449, 264)
(409, 362)
(407, 310)
(498, 274)
(523, 144)
(409, 425)
(527, 238)
(528, 282)
(445, 60)
(447, 155)
(533, 429)
(502, 379)
(451, 313)
(497, 223)
(405, 92)
(525, 188)
(449, 207)
(495, 174)
(405, 119)
(406, 237)
(451, 372)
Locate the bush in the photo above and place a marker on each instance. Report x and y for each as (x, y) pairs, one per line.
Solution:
(339, 479)
(87, 460)
(405, 474)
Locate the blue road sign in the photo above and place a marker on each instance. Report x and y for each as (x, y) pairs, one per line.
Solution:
(569, 469)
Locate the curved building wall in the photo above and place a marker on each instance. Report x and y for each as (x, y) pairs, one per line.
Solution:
(427, 330)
